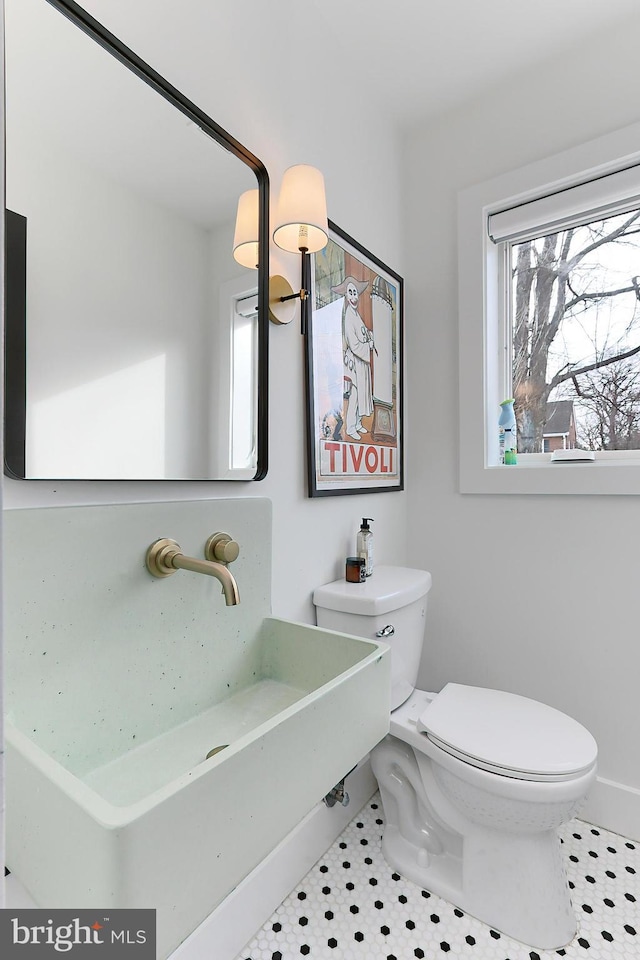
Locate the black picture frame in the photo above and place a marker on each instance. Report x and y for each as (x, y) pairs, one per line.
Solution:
(354, 371)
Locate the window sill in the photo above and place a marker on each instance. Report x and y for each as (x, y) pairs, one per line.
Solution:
(616, 476)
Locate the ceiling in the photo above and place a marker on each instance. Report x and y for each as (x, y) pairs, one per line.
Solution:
(252, 62)
(415, 58)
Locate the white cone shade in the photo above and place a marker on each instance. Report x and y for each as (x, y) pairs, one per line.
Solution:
(245, 241)
(302, 211)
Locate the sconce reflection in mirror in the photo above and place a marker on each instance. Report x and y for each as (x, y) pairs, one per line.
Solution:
(246, 251)
(246, 245)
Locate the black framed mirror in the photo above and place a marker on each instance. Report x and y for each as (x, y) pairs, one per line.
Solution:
(136, 346)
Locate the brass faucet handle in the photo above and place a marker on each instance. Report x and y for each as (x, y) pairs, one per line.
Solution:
(160, 557)
(221, 548)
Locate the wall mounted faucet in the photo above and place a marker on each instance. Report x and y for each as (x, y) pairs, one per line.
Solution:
(165, 556)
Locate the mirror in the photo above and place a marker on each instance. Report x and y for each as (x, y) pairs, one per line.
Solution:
(136, 346)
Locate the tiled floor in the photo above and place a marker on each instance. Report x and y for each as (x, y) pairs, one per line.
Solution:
(352, 906)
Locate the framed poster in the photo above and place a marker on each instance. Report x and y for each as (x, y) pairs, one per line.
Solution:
(354, 343)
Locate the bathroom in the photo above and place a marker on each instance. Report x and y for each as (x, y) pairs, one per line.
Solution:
(557, 565)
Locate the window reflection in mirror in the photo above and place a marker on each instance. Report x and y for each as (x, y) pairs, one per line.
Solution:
(136, 366)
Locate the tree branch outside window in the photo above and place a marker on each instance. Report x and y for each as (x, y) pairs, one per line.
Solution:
(576, 332)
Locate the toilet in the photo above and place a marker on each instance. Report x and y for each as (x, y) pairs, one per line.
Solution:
(474, 782)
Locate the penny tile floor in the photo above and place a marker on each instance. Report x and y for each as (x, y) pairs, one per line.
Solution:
(353, 906)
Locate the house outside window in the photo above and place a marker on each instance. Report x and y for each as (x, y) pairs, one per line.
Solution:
(549, 296)
(559, 431)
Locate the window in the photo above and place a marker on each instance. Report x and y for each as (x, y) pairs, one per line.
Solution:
(572, 334)
(244, 351)
(234, 400)
(549, 293)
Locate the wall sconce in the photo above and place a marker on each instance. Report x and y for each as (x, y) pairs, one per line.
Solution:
(246, 247)
(303, 229)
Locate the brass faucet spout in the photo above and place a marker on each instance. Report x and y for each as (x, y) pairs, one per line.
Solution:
(164, 557)
(211, 569)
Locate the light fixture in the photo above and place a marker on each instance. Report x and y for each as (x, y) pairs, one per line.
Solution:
(302, 211)
(246, 247)
(302, 228)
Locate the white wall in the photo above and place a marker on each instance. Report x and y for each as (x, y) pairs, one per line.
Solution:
(258, 93)
(84, 230)
(535, 594)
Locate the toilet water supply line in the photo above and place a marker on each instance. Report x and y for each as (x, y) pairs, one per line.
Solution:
(338, 794)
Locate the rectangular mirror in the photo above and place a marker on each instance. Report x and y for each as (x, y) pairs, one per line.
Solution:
(136, 346)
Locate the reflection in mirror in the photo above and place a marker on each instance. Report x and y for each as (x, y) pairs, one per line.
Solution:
(144, 355)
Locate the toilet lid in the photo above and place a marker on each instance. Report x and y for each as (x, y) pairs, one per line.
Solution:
(507, 733)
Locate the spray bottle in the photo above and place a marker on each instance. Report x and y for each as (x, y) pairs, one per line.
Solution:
(364, 545)
(508, 434)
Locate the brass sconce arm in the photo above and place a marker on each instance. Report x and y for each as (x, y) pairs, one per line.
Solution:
(281, 292)
(164, 557)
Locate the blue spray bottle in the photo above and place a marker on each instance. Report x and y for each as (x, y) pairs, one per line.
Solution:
(508, 433)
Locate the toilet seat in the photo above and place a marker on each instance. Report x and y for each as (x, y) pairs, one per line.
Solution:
(507, 734)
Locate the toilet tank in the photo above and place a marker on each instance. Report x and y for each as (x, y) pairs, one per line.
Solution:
(392, 600)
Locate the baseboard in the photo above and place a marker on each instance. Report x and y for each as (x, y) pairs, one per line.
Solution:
(615, 807)
(238, 918)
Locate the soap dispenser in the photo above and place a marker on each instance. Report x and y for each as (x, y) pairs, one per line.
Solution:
(364, 545)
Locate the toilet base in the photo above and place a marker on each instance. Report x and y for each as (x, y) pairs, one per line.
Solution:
(506, 888)
(513, 882)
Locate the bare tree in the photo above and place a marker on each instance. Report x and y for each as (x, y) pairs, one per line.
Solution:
(556, 282)
(610, 396)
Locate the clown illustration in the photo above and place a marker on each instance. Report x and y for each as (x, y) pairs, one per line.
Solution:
(357, 342)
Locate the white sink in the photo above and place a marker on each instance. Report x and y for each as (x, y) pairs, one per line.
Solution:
(153, 823)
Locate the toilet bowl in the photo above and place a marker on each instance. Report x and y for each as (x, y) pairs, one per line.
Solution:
(476, 832)
(474, 782)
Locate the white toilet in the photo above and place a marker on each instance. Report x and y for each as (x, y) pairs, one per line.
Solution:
(474, 782)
